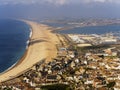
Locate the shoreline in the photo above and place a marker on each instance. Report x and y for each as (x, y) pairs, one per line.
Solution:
(24, 60)
(25, 52)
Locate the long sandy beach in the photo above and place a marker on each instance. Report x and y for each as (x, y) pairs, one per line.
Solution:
(42, 46)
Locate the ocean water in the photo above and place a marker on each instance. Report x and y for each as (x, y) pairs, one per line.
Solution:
(13, 37)
(93, 30)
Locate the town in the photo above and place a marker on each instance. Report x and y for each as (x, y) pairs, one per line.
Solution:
(83, 62)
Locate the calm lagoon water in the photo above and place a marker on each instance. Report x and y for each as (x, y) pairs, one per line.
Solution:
(93, 30)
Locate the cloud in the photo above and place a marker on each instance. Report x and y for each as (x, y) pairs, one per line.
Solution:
(12, 2)
(62, 2)
(56, 2)
(103, 1)
(93, 1)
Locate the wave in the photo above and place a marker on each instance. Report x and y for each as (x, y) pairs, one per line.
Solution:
(18, 60)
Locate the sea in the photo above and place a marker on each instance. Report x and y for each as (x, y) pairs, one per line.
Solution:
(14, 35)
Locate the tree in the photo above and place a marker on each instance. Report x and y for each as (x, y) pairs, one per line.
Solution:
(110, 85)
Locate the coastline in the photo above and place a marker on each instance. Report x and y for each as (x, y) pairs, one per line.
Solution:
(30, 56)
(25, 53)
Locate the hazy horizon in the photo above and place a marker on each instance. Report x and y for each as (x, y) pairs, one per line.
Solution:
(41, 9)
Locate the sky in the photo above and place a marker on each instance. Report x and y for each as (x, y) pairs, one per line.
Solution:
(41, 9)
